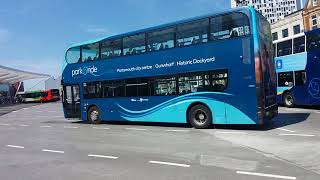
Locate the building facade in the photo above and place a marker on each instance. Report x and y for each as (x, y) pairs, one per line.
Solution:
(311, 15)
(290, 25)
(273, 10)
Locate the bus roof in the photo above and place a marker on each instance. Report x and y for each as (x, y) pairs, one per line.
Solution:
(238, 9)
(317, 31)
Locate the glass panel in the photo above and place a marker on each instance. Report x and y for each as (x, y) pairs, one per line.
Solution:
(143, 87)
(229, 26)
(274, 36)
(73, 55)
(110, 49)
(165, 86)
(134, 44)
(131, 87)
(285, 79)
(163, 39)
(137, 87)
(300, 78)
(285, 33)
(191, 83)
(284, 48)
(314, 20)
(90, 52)
(313, 41)
(192, 33)
(219, 80)
(55, 92)
(76, 93)
(299, 44)
(91, 90)
(296, 29)
(107, 89)
(314, 3)
(119, 88)
(68, 94)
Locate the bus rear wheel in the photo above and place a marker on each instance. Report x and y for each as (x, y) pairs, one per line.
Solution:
(288, 99)
(94, 115)
(199, 116)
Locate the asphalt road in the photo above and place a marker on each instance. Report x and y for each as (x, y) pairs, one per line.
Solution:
(4, 109)
(38, 143)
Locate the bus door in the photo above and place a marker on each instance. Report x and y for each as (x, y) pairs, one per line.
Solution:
(71, 101)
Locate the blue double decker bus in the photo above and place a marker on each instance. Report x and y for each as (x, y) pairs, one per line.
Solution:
(297, 64)
(212, 69)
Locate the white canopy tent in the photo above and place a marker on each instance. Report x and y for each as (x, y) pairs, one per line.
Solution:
(11, 76)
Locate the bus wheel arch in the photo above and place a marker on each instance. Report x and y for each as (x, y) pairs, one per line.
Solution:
(288, 99)
(199, 115)
(94, 114)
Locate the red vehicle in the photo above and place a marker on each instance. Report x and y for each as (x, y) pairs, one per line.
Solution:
(50, 95)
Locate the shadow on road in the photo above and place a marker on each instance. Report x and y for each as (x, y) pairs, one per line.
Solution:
(283, 119)
(313, 107)
(5, 109)
(179, 125)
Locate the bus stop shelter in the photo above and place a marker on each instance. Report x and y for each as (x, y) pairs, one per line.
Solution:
(10, 76)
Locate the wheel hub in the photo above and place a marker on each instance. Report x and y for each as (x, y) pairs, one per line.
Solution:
(200, 117)
(94, 116)
(289, 100)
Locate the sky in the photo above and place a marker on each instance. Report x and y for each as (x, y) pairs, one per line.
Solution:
(34, 34)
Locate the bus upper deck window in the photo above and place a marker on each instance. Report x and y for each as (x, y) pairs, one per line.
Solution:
(134, 44)
(73, 55)
(284, 48)
(110, 48)
(229, 26)
(299, 44)
(192, 33)
(313, 41)
(90, 52)
(162, 39)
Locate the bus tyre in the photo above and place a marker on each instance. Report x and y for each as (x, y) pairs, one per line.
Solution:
(94, 115)
(199, 116)
(288, 100)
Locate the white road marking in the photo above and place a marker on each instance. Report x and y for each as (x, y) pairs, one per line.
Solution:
(54, 151)
(176, 130)
(4, 124)
(14, 111)
(318, 112)
(70, 127)
(45, 126)
(100, 128)
(231, 132)
(23, 125)
(15, 146)
(169, 163)
(102, 156)
(136, 129)
(289, 109)
(266, 175)
(283, 129)
(25, 108)
(306, 135)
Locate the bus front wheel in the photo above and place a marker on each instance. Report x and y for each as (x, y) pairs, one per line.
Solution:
(288, 99)
(94, 115)
(199, 116)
